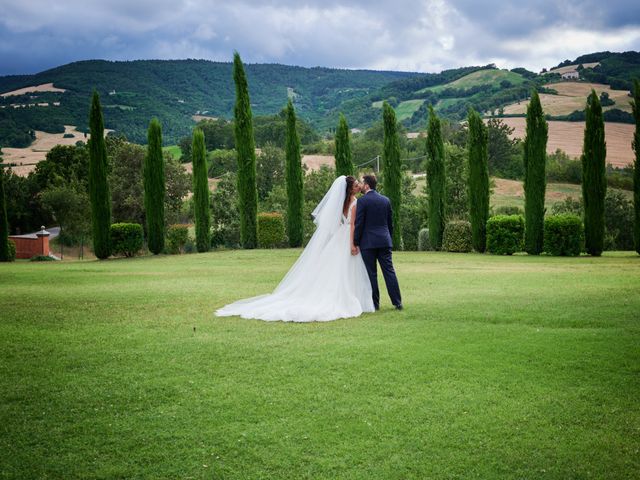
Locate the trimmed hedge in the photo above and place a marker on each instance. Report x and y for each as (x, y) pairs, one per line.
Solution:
(423, 240)
(177, 237)
(505, 234)
(457, 237)
(12, 250)
(563, 235)
(270, 230)
(126, 238)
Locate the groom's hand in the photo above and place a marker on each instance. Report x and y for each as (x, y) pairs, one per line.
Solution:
(354, 250)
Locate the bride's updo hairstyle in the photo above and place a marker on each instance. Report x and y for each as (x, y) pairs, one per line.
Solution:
(350, 183)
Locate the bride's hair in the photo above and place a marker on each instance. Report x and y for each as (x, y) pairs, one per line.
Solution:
(347, 199)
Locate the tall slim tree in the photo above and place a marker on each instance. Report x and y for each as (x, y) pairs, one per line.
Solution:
(635, 104)
(245, 147)
(99, 193)
(478, 180)
(344, 165)
(154, 188)
(4, 223)
(594, 176)
(436, 180)
(392, 177)
(535, 182)
(201, 192)
(293, 169)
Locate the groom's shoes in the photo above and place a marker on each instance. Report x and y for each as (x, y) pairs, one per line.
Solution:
(399, 306)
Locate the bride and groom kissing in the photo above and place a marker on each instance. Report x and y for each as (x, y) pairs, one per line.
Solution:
(335, 276)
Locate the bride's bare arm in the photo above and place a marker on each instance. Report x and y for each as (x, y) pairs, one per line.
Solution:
(354, 249)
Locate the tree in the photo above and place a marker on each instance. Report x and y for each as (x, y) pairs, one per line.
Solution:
(4, 224)
(504, 156)
(535, 181)
(154, 188)
(270, 169)
(99, 194)
(201, 192)
(436, 180)
(635, 104)
(344, 165)
(68, 204)
(245, 146)
(456, 188)
(478, 181)
(594, 176)
(392, 179)
(294, 181)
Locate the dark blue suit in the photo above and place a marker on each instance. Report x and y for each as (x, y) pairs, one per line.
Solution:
(373, 231)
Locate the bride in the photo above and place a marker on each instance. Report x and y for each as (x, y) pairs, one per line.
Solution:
(329, 280)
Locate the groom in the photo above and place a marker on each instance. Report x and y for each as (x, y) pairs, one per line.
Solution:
(373, 231)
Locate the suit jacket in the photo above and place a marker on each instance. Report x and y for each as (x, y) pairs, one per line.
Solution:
(374, 226)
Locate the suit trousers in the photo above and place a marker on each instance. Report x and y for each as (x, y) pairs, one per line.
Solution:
(372, 256)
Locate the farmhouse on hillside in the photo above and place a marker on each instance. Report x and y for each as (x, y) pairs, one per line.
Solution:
(570, 75)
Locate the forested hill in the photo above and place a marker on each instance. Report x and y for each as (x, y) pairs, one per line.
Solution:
(134, 91)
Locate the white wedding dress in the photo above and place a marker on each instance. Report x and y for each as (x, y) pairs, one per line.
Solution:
(326, 282)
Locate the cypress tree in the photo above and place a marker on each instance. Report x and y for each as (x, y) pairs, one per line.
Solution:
(294, 181)
(4, 224)
(245, 148)
(594, 176)
(392, 178)
(436, 180)
(201, 192)
(344, 166)
(154, 188)
(478, 180)
(99, 194)
(635, 105)
(535, 182)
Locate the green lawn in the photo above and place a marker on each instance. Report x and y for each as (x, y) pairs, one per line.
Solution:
(174, 150)
(499, 367)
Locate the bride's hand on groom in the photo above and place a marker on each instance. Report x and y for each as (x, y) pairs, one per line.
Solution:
(354, 250)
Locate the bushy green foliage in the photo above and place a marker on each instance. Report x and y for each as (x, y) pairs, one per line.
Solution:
(594, 180)
(412, 216)
(154, 188)
(245, 146)
(99, 194)
(423, 240)
(436, 180)
(221, 162)
(270, 169)
(562, 168)
(11, 251)
(535, 183)
(508, 210)
(478, 180)
(504, 152)
(505, 234)
(270, 230)
(568, 205)
(457, 192)
(126, 238)
(295, 199)
(344, 165)
(563, 235)
(635, 104)
(4, 224)
(177, 238)
(42, 258)
(392, 179)
(201, 199)
(225, 214)
(618, 219)
(457, 236)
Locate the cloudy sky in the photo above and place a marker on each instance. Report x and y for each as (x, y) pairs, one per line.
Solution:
(411, 35)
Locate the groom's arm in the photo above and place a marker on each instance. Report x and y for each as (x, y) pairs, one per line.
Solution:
(360, 216)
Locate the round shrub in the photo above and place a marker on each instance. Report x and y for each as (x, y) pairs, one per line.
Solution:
(126, 238)
(42, 258)
(505, 234)
(457, 237)
(423, 240)
(12, 251)
(177, 237)
(270, 230)
(509, 210)
(563, 235)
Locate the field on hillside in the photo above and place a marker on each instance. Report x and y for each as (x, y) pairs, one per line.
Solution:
(403, 109)
(481, 77)
(569, 68)
(572, 96)
(568, 136)
(499, 367)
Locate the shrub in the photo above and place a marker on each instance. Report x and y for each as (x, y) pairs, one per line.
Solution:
(411, 221)
(12, 250)
(42, 258)
(126, 238)
(563, 235)
(190, 245)
(505, 234)
(177, 237)
(423, 240)
(457, 237)
(270, 230)
(508, 210)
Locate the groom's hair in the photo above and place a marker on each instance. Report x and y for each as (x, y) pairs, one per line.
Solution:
(371, 181)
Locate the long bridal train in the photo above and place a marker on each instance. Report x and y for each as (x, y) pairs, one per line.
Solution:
(326, 282)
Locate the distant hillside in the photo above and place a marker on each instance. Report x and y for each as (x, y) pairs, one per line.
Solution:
(134, 92)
